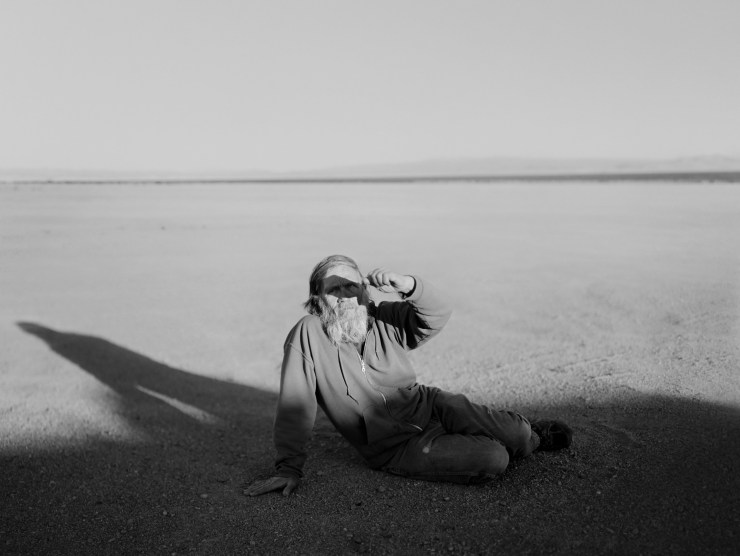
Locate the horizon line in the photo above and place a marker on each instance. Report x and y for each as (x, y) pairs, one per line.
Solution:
(727, 176)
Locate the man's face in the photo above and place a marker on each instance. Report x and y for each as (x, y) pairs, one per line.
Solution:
(343, 284)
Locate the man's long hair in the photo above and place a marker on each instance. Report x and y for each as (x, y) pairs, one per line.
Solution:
(313, 304)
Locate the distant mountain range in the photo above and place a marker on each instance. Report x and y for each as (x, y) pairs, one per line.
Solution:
(436, 169)
(521, 167)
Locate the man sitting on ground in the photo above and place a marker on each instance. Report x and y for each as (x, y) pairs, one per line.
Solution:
(349, 356)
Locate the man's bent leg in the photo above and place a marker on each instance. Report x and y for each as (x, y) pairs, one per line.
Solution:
(458, 414)
(436, 455)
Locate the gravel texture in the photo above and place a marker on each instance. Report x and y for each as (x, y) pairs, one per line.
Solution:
(140, 339)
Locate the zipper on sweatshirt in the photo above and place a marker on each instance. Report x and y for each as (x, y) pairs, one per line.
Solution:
(367, 378)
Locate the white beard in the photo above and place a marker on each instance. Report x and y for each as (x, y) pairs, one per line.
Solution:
(346, 324)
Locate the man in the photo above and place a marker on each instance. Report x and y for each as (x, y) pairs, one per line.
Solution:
(350, 357)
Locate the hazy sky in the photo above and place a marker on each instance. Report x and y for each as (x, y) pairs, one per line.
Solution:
(216, 85)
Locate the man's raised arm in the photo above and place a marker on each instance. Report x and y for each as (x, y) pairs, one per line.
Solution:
(425, 311)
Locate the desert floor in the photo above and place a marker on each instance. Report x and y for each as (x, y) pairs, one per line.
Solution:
(141, 332)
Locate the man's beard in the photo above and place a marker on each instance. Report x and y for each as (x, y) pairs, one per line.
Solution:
(345, 324)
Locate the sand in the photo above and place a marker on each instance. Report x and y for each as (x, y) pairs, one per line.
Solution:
(141, 329)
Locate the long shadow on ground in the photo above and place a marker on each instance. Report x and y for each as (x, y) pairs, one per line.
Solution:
(648, 474)
(156, 398)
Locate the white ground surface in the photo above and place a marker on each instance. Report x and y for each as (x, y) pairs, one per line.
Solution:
(567, 295)
(561, 291)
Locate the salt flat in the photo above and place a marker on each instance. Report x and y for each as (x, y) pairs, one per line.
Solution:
(614, 305)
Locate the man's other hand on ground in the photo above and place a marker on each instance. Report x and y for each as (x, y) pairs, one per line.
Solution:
(287, 484)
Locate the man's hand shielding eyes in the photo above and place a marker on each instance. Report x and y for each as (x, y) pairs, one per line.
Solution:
(388, 281)
(287, 484)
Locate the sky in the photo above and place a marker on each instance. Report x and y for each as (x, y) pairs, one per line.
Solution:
(224, 86)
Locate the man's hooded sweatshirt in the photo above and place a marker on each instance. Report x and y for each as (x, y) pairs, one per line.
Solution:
(372, 398)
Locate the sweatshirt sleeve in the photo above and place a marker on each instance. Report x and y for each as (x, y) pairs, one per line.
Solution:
(421, 316)
(296, 411)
